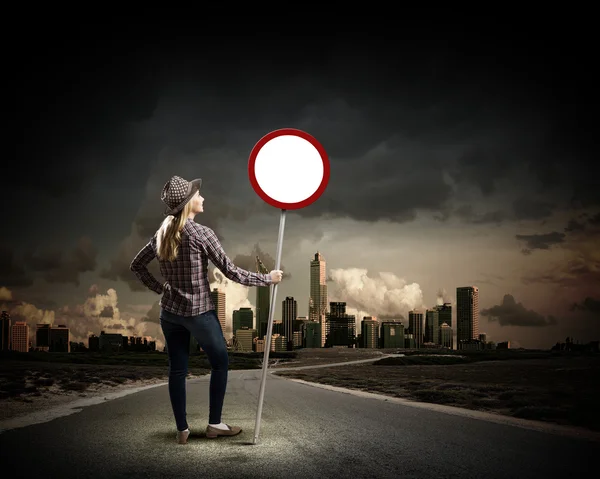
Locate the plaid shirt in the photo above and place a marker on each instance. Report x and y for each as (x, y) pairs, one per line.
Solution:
(187, 291)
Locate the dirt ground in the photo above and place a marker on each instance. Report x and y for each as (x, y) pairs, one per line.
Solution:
(563, 390)
(31, 386)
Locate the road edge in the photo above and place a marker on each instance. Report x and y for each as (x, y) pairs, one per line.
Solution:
(540, 426)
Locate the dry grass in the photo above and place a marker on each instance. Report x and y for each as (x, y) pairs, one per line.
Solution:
(540, 385)
(26, 380)
(557, 389)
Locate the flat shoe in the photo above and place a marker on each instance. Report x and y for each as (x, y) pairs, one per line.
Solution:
(182, 436)
(213, 432)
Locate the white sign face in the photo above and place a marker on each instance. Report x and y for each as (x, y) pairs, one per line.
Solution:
(288, 169)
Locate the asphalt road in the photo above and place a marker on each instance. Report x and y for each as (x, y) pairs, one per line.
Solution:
(306, 431)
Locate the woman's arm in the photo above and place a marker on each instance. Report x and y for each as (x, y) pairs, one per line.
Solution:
(210, 243)
(139, 266)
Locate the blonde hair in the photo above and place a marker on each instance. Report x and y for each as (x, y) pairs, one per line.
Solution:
(168, 235)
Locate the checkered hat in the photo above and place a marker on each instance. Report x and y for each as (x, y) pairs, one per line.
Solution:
(177, 192)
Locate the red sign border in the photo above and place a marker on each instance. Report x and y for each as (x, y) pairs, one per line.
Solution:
(322, 153)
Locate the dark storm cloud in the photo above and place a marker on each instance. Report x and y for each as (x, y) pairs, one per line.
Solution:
(579, 273)
(567, 157)
(584, 222)
(486, 278)
(392, 182)
(153, 315)
(522, 209)
(591, 305)
(595, 220)
(511, 313)
(540, 241)
(479, 167)
(248, 262)
(468, 215)
(416, 94)
(17, 298)
(12, 273)
(532, 209)
(89, 84)
(119, 268)
(107, 312)
(56, 266)
(41, 302)
(574, 225)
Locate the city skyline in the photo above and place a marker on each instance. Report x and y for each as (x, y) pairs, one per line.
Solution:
(454, 162)
(238, 298)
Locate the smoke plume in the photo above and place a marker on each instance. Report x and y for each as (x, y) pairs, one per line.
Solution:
(385, 296)
(443, 297)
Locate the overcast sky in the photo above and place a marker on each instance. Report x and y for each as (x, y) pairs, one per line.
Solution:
(461, 154)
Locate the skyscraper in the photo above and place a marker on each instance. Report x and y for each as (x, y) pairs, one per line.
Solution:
(444, 317)
(432, 327)
(242, 318)
(369, 332)
(317, 303)
(415, 326)
(5, 331)
(42, 336)
(218, 298)
(467, 313)
(289, 312)
(20, 337)
(340, 326)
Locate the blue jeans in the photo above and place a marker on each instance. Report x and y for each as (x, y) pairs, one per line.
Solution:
(206, 328)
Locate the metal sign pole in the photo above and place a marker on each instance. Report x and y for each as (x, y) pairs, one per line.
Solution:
(265, 365)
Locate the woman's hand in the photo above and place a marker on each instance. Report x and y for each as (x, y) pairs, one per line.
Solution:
(276, 276)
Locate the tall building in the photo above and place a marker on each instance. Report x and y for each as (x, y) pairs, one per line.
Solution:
(245, 338)
(59, 339)
(446, 336)
(298, 322)
(5, 331)
(432, 326)
(444, 314)
(415, 326)
(467, 313)
(317, 301)
(263, 302)
(392, 334)
(42, 337)
(341, 327)
(218, 298)
(299, 330)
(289, 312)
(311, 334)
(20, 337)
(242, 318)
(111, 342)
(369, 332)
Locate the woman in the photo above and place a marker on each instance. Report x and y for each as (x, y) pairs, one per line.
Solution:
(183, 248)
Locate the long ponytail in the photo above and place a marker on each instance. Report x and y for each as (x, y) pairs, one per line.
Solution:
(168, 237)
